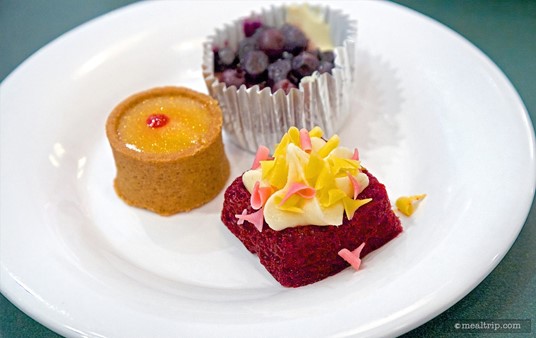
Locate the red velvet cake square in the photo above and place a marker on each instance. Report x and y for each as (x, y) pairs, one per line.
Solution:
(304, 254)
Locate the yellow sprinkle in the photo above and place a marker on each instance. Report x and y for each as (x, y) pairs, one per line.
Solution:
(335, 195)
(281, 148)
(275, 171)
(351, 205)
(294, 135)
(408, 204)
(314, 168)
(340, 166)
(316, 132)
(266, 168)
(292, 204)
(331, 144)
(278, 174)
(325, 179)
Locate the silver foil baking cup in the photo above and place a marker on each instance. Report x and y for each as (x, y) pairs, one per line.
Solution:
(253, 117)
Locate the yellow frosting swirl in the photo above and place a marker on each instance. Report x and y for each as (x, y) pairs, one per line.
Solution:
(329, 174)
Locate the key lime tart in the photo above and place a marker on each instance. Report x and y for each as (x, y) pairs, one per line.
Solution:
(290, 65)
(309, 209)
(168, 149)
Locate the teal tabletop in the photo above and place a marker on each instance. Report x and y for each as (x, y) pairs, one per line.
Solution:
(504, 30)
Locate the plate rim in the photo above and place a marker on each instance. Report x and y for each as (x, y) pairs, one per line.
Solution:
(61, 328)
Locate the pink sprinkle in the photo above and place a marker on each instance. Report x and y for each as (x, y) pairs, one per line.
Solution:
(241, 217)
(262, 155)
(255, 200)
(301, 189)
(259, 196)
(355, 185)
(357, 251)
(305, 141)
(356, 155)
(256, 218)
(352, 257)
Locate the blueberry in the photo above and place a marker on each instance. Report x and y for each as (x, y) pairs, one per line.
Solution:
(245, 46)
(293, 78)
(304, 64)
(325, 67)
(327, 56)
(255, 63)
(233, 77)
(226, 56)
(271, 41)
(250, 26)
(287, 56)
(279, 70)
(295, 39)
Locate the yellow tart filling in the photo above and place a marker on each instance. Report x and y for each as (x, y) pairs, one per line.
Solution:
(185, 128)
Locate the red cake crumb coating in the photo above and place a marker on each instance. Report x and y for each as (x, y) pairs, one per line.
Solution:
(303, 255)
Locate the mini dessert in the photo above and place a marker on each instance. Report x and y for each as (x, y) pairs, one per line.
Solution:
(310, 209)
(168, 149)
(291, 65)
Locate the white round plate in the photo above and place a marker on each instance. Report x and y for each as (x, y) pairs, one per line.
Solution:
(432, 115)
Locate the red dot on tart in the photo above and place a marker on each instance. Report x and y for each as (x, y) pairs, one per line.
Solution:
(157, 120)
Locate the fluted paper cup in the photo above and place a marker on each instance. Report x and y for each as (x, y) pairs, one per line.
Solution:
(253, 117)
